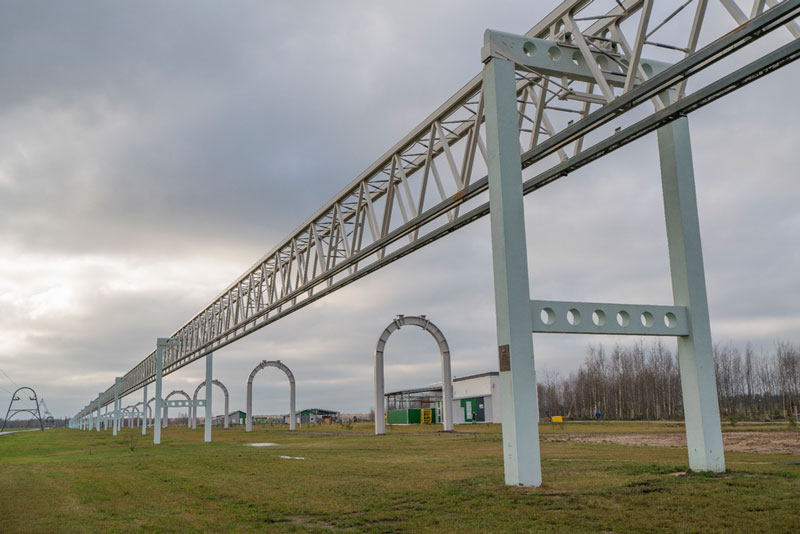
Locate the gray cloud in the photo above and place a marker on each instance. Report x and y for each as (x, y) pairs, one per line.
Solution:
(149, 153)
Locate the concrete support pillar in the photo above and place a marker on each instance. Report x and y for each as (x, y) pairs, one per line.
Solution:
(695, 353)
(520, 406)
(226, 418)
(99, 412)
(144, 410)
(160, 344)
(380, 409)
(209, 378)
(248, 423)
(116, 405)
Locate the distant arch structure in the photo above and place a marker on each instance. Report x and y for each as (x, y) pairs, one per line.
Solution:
(289, 375)
(444, 350)
(35, 412)
(226, 418)
(188, 404)
(151, 422)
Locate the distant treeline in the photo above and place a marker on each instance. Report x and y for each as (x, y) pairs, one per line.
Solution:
(642, 381)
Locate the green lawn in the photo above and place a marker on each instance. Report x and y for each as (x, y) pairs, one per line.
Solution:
(411, 480)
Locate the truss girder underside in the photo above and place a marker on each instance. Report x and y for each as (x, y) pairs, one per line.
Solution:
(581, 67)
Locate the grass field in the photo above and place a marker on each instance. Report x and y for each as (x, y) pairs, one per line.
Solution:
(412, 480)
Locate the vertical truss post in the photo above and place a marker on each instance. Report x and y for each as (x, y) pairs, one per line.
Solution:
(105, 419)
(209, 378)
(144, 411)
(696, 358)
(160, 344)
(116, 405)
(520, 405)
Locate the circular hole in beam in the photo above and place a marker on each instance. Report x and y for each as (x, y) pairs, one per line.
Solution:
(529, 48)
(599, 318)
(548, 316)
(554, 52)
(577, 58)
(574, 317)
(647, 319)
(670, 320)
(623, 318)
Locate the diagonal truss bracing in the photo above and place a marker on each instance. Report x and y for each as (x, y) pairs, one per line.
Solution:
(428, 184)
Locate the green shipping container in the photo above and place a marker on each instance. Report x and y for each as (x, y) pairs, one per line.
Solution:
(411, 416)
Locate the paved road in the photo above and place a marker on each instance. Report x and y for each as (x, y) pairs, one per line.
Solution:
(17, 431)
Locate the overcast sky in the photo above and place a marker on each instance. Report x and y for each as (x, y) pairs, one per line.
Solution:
(150, 152)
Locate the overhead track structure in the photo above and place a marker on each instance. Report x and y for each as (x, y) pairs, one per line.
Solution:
(433, 181)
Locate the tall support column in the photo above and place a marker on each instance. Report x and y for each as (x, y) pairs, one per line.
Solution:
(144, 410)
(116, 405)
(99, 413)
(519, 400)
(380, 409)
(695, 353)
(160, 344)
(248, 407)
(105, 419)
(209, 378)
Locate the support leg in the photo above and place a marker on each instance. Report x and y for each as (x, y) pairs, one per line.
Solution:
(116, 405)
(695, 353)
(144, 411)
(519, 400)
(160, 344)
(209, 378)
(248, 424)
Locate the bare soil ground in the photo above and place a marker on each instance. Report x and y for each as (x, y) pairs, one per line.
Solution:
(764, 442)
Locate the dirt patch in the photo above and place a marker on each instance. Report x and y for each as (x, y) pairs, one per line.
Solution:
(767, 442)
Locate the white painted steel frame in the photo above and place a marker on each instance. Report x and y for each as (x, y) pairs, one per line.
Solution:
(444, 354)
(292, 393)
(226, 418)
(344, 239)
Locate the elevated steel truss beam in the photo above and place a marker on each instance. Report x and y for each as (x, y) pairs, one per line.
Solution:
(441, 163)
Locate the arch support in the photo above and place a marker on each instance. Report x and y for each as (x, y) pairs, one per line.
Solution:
(289, 375)
(36, 412)
(226, 419)
(447, 383)
(166, 406)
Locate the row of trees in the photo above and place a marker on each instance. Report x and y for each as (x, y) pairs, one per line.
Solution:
(642, 381)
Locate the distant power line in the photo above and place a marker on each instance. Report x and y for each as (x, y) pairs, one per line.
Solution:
(12, 380)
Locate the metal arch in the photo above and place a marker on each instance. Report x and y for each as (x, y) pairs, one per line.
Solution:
(11, 413)
(444, 349)
(289, 375)
(125, 414)
(165, 423)
(194, 400)
(133, 414)
(150, 410)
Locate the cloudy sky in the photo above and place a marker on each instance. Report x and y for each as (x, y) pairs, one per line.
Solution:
(150, 152)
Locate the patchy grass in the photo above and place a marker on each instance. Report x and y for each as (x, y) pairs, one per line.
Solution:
(413, 480)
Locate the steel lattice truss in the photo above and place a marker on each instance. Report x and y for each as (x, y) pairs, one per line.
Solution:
(433, 181)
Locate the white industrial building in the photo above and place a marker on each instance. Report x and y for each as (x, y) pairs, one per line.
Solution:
(475, 400)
